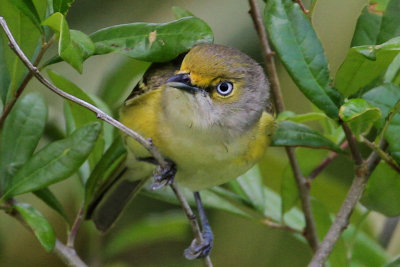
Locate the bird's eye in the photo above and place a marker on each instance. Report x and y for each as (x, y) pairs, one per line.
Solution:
(224, 88)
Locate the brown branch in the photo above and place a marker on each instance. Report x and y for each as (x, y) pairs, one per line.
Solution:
(8, 107)
(355, 152)
(272, 224)
(146, 143)
(325, 163)
(363, 172)
(310, 232)
(305, 10)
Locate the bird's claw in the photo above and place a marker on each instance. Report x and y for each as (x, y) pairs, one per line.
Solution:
(163, 176)
(198, 249)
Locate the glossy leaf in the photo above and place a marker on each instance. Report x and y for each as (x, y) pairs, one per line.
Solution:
(367, 28)
(99, 179)
(390, 26)
(122, 77)
(55, 162)
(363, 64)
(39, 225)
(27, 7)
(387, 98)
(62, 6)
(360, 115)
(50, 199)
(73, 46)
(21, 133)
(27, 36)
(295, 134)
(301, 52)
(155, 42)
(323, 221)
(180, 12)
(252, 185)
(81, 115)
(382, 193)
(148, 231)
(291, 116)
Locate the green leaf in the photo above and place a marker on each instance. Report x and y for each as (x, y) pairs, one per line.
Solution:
(55, 162)
(21, 133)
(122, 77)
(50, 199)
(363, 64)
(382, 193)
(289, 191)
(73, 46)
(291, 116)
(385, 98)
(62, 6)
(99, 179)
(392, 71)
(39, 224)
(367, 28)
(380, 5)
(390, 26)
(393, 263)
(155, 42)
(360, 115)
(252, 185)
(27, 7)
(295, 134)
(301, 52)
(323, 222)
(81, 115)
(148, 231)
(180, 12)
(27, 36)
(4, 77)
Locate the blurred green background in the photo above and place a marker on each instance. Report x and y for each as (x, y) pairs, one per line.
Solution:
(153, 233)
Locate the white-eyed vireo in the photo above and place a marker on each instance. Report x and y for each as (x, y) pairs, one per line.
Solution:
(207, 114)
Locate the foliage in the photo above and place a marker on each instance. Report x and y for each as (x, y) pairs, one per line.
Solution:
(364, 94)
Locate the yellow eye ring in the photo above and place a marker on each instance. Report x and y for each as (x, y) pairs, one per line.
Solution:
(224, 88)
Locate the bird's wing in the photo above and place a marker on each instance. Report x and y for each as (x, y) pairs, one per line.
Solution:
(155, 77)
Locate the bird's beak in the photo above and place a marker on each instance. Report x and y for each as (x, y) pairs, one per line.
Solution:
(182, 81)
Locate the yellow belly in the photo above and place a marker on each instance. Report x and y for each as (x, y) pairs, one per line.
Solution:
(202, 160)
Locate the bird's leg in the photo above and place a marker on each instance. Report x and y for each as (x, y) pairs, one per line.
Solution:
(163, 176)
(203, 248)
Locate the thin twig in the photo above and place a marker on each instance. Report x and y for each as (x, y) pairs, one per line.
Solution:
(146, 143)
(192, 219)
(355, 152)
(270, 223)
(75, 227)
(353, 195)
(66, 254)
(303, 185)
(8, 107)
(388, 159)
(305, 10)
(325, 163)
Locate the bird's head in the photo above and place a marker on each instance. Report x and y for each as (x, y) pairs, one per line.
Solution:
(218, 86)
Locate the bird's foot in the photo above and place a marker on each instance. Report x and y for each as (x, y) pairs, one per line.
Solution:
(163, 176)
(200, 249)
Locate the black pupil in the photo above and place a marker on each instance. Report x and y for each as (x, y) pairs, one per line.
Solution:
(224, 87)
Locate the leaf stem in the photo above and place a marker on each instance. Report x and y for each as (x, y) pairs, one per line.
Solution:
(310, 232)
(385, 156)
(305, 10)
(75, 227)
(325, 163)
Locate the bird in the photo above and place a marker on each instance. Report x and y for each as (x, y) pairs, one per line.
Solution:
(208, 112)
